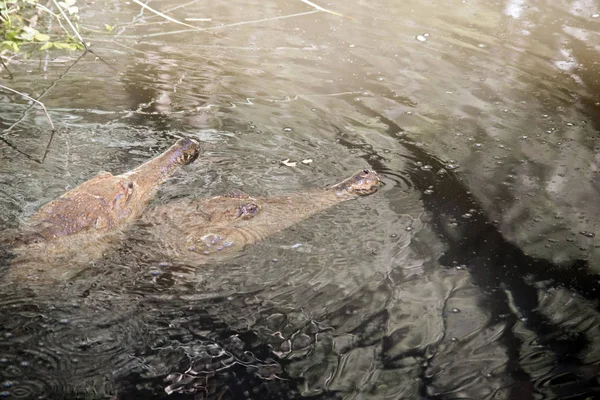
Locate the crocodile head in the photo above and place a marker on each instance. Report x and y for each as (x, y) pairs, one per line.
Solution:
(362, 183)
(108, 202)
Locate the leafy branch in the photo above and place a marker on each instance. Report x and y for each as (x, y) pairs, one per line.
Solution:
(19, 20)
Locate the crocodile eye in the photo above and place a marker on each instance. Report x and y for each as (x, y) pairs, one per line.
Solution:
(248, 210)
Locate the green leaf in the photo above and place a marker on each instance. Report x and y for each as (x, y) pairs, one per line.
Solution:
(27, 34)
(8, 44)
(65, 46)
(45, 46)
(40, 37)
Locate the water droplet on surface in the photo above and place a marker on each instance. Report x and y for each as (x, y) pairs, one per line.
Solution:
(588, 234)
(252, 126)
(287, 129)
(455, 310)
(408, 229)
(64, 321)
(595, 15)
(421, 38)
(428, 191)
(380, 79)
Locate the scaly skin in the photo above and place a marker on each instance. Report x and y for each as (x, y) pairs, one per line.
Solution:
(203, 230)
(194, 232)
(108, 202)
(82, 224)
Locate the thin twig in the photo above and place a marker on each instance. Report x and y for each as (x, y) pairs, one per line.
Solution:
(32, 99)
(168, 10)
(15, 148)
(48, 146)
(6, 68)
(146, 6)
(318, 7)
(46, 9)
(261, 20)
(44, 92)
(11, 127)
(182, 31)
(71, 25)
(81, 40)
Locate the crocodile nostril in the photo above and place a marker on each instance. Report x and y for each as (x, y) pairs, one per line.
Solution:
(365, 171)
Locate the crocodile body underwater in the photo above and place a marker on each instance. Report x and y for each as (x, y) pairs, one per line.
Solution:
(199, 231)
(107, 211)
(82, 224)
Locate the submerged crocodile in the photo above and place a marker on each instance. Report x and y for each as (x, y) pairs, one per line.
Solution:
(86, 222)
(82, 223)
(198, 231)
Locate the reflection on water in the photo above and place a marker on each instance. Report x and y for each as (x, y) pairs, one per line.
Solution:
(471, 274)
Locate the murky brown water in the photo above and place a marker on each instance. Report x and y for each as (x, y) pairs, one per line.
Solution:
(470, 275)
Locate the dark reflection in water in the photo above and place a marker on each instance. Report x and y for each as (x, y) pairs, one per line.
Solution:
(510, 279)
(470, 275)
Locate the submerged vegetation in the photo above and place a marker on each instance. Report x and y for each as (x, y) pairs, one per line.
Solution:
(29, 23)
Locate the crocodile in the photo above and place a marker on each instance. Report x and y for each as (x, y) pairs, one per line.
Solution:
(110, 211)
(87, 220)
(199, 231)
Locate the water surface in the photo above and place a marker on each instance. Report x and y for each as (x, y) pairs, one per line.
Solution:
(470, 275)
